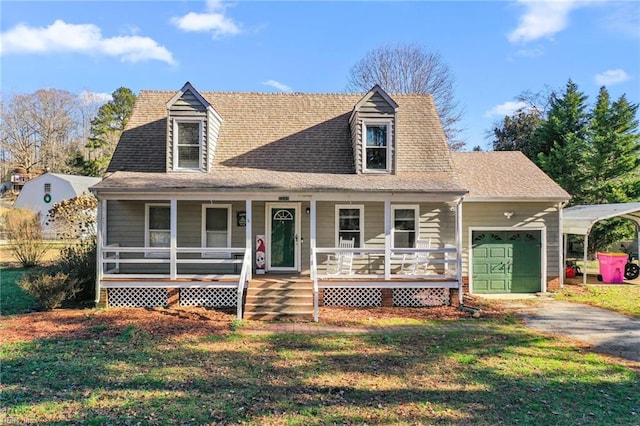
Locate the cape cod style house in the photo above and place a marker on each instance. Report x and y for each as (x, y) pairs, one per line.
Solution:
(278, 203)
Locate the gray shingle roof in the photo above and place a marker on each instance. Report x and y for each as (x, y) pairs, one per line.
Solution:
(284, 131)
(251, 180)
(507, 175)
(284, 141)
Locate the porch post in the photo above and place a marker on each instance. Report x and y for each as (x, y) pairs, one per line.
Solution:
(387, 239)
(100, 235)
(312, 227)
(313, 261)
(249, 234)
(459, 247)
(173, 270)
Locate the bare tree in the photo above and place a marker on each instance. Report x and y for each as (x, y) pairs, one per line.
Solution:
(40, 129)
(18, 135)
(54, 115)
(411, 68)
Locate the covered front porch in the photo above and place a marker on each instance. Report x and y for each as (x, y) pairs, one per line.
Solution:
(214, 249)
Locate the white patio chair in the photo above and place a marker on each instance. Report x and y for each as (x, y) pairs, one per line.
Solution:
(341, 263)
(417, 263)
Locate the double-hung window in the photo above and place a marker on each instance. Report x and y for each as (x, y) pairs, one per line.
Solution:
(216, 228)
(377, 146)
(157, 228)
(187, 144)
(406, 226)
(350, 224)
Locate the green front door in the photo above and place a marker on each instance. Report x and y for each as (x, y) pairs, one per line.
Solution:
(506, 261)
(282, 238)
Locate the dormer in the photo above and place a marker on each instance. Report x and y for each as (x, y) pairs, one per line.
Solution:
(373, 123)
(192, 131)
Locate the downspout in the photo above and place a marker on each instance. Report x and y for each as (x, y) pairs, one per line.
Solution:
(100, 225)
(459, 247)
(562, 241)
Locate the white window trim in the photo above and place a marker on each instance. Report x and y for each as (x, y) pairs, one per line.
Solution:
(390, 144)
(416, 213)
(176, 122)
(146, 229)
(360, 207)
(203, 235)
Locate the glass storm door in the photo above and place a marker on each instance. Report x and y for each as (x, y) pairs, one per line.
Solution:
(283, 237)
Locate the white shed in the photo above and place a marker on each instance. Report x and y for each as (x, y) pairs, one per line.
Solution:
(41, 193)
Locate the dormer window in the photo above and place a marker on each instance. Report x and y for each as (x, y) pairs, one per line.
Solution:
(188, 144)
(377, 146)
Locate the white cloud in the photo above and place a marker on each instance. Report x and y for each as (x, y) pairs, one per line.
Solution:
(81, 38)
(276, 84)
(212, 21)
(507, 108)
(542, 18)
(94, 97)
(531, 53)
(610, 77)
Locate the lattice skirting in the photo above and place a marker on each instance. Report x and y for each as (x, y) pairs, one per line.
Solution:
(419, 297)
(209, 297)
(138, 297)
(352, 297)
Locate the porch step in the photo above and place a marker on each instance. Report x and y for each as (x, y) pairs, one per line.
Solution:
(274, 298)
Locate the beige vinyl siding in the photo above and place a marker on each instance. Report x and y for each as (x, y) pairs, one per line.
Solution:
(375, 108)
(188, 107)
(436, 221)
(525, 215)
(126, 227)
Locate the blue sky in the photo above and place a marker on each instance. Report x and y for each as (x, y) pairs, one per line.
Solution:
(496, 50)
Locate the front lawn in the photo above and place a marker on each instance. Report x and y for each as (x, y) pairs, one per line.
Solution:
(621, 298)
(194, 367)
(13, 300)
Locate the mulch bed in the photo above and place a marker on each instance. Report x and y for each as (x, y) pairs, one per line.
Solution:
(86, 324)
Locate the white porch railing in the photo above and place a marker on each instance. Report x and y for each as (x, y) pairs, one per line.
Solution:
(114, 259)
(111, 261)
(441, 269)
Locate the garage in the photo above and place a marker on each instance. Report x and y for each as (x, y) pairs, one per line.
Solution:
(506, 261)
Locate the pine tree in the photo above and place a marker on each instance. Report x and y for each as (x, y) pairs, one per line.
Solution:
(106, 129)
(614, 151)
(562, 141)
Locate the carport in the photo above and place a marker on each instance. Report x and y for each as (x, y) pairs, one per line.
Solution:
(578, 220)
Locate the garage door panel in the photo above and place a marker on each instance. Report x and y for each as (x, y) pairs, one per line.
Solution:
(495, 252)
(506, 261)
(499, 285)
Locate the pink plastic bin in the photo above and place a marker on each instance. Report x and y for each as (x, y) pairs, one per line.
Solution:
(612, 267)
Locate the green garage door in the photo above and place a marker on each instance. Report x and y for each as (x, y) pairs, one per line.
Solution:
(506, 261)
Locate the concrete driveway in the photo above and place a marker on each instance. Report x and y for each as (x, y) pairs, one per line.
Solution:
(607, 331)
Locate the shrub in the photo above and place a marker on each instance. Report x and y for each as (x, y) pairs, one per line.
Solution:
(79, 263)
(49, 290)
(24, 232)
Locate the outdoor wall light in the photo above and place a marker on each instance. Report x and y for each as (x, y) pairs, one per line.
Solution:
(308, 210)
(508, 214)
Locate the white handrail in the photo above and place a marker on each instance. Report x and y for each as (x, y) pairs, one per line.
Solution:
(314, 278)
(246, 265)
